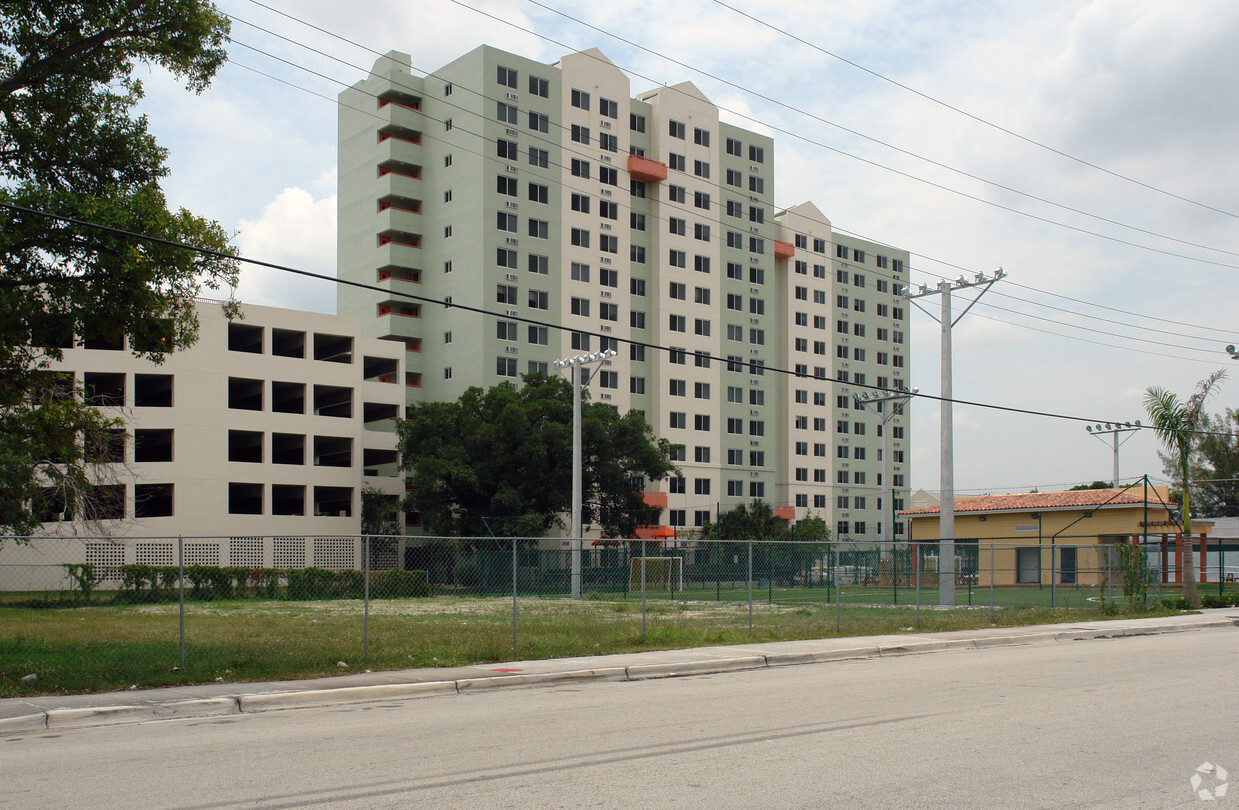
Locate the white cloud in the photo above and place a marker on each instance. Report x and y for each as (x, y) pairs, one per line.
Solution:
(297, 231)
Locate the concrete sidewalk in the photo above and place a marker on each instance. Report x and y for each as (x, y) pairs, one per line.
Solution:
(217, 699)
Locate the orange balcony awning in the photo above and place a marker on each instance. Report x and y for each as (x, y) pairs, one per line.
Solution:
(646, 170)
(655, 533)
(783, 250)
(785, 512)
(655, 499)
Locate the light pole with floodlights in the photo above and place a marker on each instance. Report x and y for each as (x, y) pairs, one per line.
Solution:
(579, 379)
(1115, 428)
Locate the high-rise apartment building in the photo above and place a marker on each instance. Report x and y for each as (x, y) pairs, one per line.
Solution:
(549, 193)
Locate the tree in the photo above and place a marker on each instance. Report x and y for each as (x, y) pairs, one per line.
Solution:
(501, 458)
(1176, 424)
(784, 549)
(1215, 465)
(1094, 485)
(380, 512)
(71, 146)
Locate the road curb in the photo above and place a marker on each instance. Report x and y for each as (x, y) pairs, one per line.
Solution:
(259, 702)
(535, 678)
(309, 698)
(914, 647)
(111, 715)
(641, 672)
(23, 723)
(820, 656)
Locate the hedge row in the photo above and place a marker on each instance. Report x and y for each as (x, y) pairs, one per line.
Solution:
(160, 583)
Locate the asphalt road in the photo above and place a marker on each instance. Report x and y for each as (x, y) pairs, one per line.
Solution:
(1105, 723)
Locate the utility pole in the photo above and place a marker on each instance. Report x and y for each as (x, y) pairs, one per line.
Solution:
(946, 514)
(896, 400)
(1114, 428)
(579, 374)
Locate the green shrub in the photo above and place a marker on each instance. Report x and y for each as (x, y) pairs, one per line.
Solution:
(139, 583)
(307, 583)
(85, 576)
(466, 573)
(397, 584)
(199, 577)
(270, 580)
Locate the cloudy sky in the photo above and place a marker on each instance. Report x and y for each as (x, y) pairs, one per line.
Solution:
(1111, 199)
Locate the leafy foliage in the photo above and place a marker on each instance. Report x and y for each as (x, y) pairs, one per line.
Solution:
(502, 458)
(1215, 465)
(807, 539)
(1135, 574)
(71, 146)
(1176, 423)
(380, 513)
(1094, 485)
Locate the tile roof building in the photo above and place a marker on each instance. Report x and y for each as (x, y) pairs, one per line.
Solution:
(1042, 537)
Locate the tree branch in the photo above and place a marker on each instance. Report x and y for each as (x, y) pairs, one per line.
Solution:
(29, 73)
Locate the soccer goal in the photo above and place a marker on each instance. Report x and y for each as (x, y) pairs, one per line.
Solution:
(663, 574)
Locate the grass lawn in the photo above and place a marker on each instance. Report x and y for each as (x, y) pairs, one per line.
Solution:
(105, 647)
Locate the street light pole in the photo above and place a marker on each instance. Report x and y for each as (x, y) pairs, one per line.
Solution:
(1114, 428)
(946, 513)
(896, 398)
(579, 374)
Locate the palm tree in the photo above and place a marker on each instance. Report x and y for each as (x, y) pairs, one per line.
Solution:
(1175, 423)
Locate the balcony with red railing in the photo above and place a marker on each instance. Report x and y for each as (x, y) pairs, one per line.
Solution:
(410, 240)
(656, 500)
(646, 170)
(389, 273)
(399, 133)
(400, 310)
(783, 250)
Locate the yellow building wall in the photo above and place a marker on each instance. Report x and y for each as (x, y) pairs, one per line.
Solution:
(1000, 535)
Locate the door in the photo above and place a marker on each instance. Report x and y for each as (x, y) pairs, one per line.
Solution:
(1067, 565)
(1028, 565)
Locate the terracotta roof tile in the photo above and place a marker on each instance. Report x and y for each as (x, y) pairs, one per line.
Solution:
(1044, 500)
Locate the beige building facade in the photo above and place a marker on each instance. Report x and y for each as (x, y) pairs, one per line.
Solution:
(256, 443)
(581, 216)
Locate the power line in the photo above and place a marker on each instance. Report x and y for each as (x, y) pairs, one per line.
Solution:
(976, 118)
(448, 304)
(800, 111)
(684, 207)
(900, 173)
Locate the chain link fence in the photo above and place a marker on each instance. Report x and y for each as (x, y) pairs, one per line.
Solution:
(83, 613)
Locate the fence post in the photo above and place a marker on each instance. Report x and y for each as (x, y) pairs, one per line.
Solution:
(750, 587)
(991, 583)
(365, 644)
(1053, 575)
(834, 576)
(514, 594)
(642, 591)
(180, 561)
(894, 572)
(1106, 593)
(916, 551)
(1221, 567)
